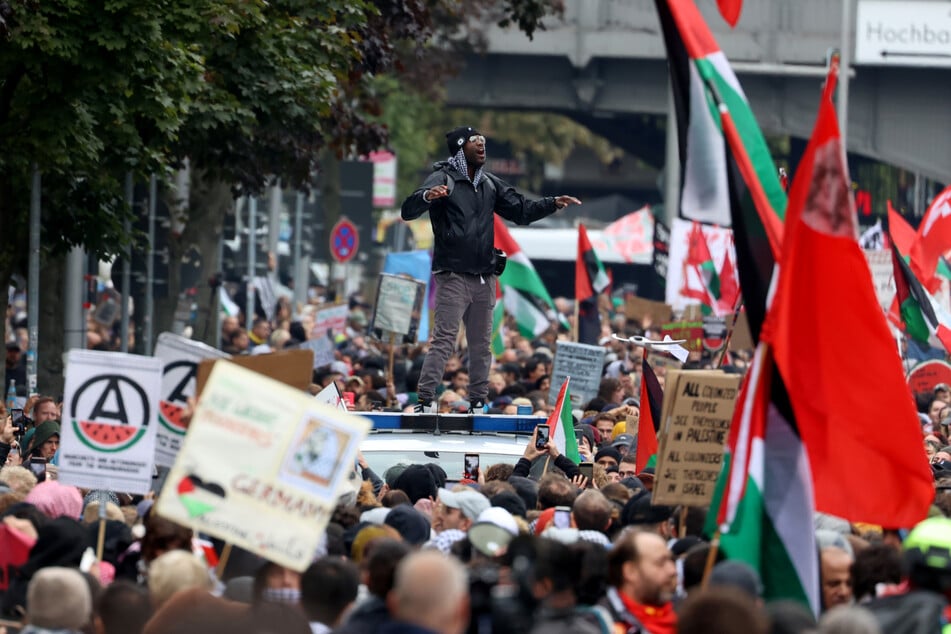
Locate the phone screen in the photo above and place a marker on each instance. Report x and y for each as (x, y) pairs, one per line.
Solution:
(38, 467)
(562, 517)
(587, 470)
(541, 437)
(472, 466)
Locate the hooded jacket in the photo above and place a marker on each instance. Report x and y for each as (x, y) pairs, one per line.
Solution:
(463, 224)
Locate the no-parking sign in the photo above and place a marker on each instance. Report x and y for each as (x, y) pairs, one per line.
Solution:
(344, 241)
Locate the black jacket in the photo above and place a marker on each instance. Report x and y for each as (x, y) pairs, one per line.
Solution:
(463, 226)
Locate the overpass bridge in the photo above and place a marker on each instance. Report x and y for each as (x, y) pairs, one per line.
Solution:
(603, 64)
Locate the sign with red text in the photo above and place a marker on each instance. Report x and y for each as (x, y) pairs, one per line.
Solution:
(110, 413)
(262, 466)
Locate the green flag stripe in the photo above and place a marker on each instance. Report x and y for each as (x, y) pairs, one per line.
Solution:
(915, 323)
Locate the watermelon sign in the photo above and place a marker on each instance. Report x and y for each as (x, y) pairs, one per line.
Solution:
(180, 357)
(110, 421)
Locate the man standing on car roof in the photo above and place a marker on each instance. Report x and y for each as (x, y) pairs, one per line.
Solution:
(461, 197)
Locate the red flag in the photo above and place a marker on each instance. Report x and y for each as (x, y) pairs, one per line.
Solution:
(730, 10)
(826, 364)
(933, 239)
(729, 289)
(899, 230)
(647, 424)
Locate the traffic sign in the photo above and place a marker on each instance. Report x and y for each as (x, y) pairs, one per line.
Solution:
(344, 241)
(903, 33)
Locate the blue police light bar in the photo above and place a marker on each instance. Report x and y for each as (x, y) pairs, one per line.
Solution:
(483, 423)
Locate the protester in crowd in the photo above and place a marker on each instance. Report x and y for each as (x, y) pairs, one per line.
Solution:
(328, 589)
(176, 571)
(58, 601)
(430, 595)
(461, 198)
(642, 580)
(836, 576)
(123, 608)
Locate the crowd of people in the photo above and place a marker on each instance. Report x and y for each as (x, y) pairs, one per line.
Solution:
(529, 546)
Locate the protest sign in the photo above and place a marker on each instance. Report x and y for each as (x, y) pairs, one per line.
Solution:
(694, 430)
(583, 363)
(883, 275)
(110, 407)
(924, 376)
(690, 331)
(261, 466)
(742, 337)
(292, 367)
(180, 357)
(399, 302)
(637, 309)
(323, 349)
(331, 318)
(331, 396)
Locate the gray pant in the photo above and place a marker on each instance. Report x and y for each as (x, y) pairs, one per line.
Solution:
(470, 298)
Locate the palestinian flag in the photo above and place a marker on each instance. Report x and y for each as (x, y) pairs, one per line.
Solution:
(706, 287)
(721, 147)
(561, 425)
(648, 423)
(739, 187)
(920, 313)
(523, 293)
(590, 276)
(906, 239)
(762, 504)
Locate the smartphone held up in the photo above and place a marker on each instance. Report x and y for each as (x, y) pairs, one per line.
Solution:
(542, 436)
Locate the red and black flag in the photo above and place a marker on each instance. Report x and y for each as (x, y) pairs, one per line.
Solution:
(652, 396)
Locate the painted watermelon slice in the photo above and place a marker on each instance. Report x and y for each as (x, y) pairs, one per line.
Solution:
(170, 417)
(106, 437)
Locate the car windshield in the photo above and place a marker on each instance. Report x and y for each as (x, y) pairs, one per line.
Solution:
(450, 461)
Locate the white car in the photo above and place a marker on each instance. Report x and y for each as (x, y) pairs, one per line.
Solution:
(410, 439)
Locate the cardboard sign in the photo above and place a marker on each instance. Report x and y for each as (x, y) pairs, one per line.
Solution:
(742, 337)
(583, 363)
(398, 306)
(694, 431)
(291, 367)
(637, 308)
(331, 318)
(110, 415)
(180, 357)
(261, 466)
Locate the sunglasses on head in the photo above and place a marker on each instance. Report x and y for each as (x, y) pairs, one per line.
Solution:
(476, 138)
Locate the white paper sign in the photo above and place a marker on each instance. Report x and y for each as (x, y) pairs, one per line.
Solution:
(180, 357)
(583, 363)
(262, 466)
(109, 421)
(330, 395)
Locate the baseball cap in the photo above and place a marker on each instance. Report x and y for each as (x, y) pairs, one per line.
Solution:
(624, 440)
(470, 502)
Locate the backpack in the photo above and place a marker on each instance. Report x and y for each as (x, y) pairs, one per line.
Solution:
(450, 181)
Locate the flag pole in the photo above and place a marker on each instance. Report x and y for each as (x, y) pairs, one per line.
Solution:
(711, 559)
(223, 560)
(729, 333)
(577, 325)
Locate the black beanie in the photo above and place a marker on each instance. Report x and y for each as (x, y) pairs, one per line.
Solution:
(456, 138)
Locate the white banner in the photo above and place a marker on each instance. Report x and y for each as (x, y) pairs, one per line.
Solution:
(719, 239)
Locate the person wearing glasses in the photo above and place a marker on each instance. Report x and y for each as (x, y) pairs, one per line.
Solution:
(461, 198)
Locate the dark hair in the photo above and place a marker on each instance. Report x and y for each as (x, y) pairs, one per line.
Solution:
(721, 610)
(394, 497)
(499, 471)
(327, 588)
(555, 490)
(124, 608)
(878, 563)
(381, 558)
